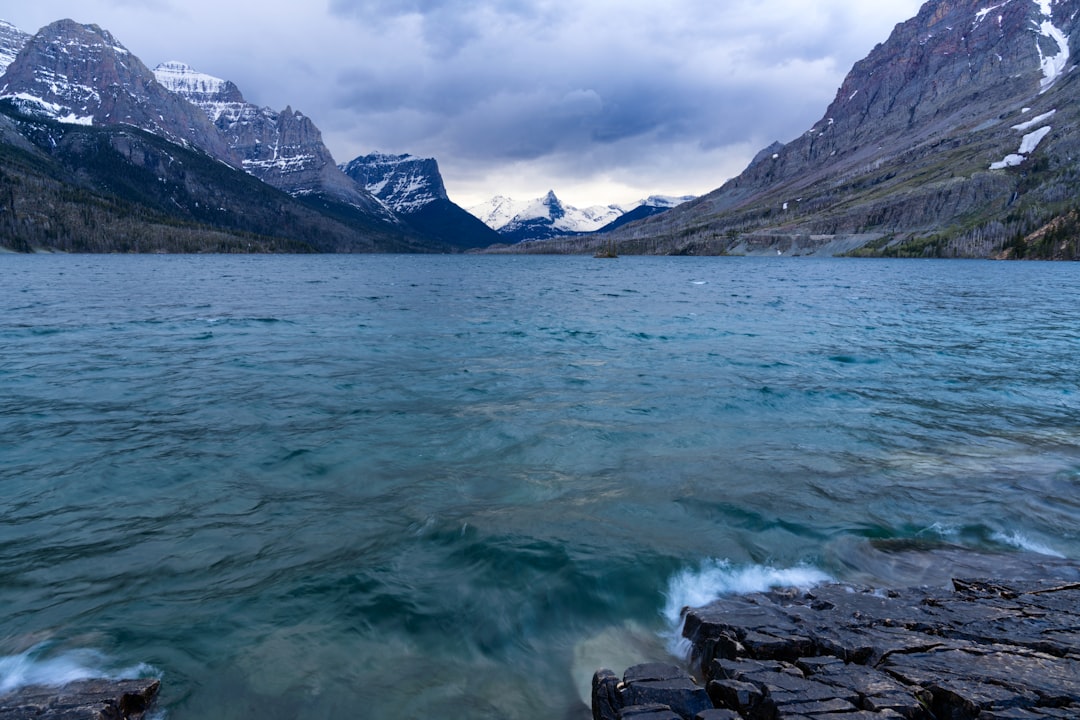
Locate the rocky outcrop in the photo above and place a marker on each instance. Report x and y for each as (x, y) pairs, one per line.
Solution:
(83, 700)
(984, 649)
(81, 74)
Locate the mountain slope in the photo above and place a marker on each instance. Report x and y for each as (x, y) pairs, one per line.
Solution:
(413, 187)
(548, 217)
(955, 137)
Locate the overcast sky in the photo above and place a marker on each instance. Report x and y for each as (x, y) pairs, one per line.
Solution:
(602, 101)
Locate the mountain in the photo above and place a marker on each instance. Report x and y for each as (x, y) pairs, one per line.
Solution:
(284, 149)
(80, 74)
(414, 189)
(548, 217)
(955, 137)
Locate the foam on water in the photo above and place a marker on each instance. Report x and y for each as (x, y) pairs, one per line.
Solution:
(695, 587)
(1022, 542)
(37, 667)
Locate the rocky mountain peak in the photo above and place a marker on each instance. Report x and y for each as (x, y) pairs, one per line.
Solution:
(403, 182)
(413, 187)
(554, 206)
(81, 74)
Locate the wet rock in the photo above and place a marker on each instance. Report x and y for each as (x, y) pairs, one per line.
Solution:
(606, 702)
(744, 697)
(648, 712)
(651, 686)
(986, 649)
(84, 700)
(664, 685)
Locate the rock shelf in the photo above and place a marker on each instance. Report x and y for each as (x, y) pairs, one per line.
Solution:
(83, 700)
(992, 650)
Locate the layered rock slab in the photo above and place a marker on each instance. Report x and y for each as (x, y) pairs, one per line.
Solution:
(984, 649)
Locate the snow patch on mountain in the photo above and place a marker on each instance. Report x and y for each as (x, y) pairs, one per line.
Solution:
(42, 108)
(1054, 65)
(1029, 143)
(214, 95)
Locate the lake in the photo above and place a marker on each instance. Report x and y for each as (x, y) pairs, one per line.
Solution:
(455, 486)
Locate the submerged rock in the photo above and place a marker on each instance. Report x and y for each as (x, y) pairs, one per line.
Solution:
(83, 700)
(984, 649)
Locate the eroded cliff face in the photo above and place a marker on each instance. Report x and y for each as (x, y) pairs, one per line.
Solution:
(961, 126)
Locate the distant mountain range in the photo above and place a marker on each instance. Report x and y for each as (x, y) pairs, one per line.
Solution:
(548, 217)
(956, 137)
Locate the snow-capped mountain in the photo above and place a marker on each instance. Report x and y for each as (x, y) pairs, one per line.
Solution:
(548, 217)
(413, 187)
(12, 40)
(403, 182)
(284, 149)
(81, 74)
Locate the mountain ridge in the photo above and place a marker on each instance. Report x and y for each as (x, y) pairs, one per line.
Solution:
(284, 149)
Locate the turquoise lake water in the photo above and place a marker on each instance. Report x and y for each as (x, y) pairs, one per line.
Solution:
(411, 487)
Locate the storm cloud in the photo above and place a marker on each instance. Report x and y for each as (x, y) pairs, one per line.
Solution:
(601, 101)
